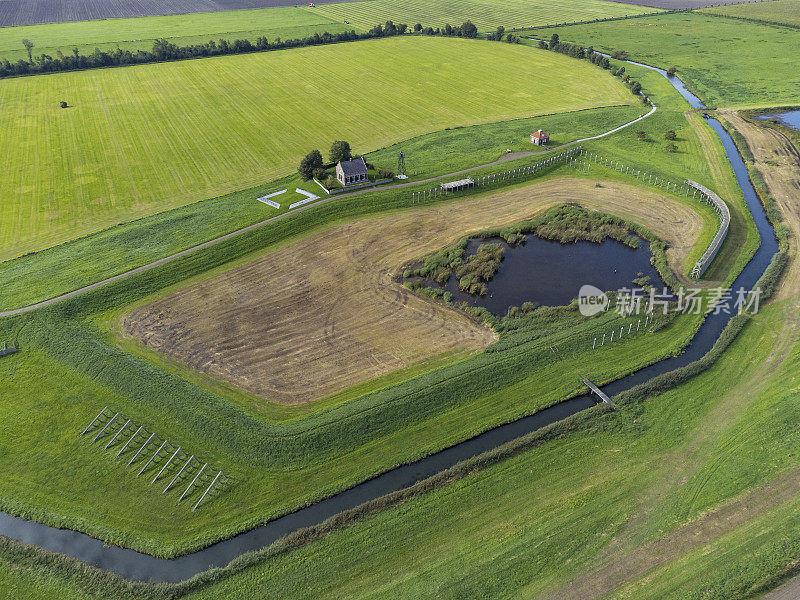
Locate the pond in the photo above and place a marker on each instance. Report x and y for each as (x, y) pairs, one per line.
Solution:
(790, 119)
(550, 273)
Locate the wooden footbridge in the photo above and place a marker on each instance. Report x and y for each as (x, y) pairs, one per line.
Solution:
(599, 393)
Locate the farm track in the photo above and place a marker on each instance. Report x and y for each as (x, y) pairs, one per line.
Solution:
(309, 319)
(227, 236)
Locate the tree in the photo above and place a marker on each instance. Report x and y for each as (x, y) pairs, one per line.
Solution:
(672, 147)
(418, 27)
(672, 70)
(553, 40)
(311, 161)
(64, 104)
(641, 134)
(670, 135)
(636, 88)
(497, 35)
(29, 47)
(340, 151)
(469, 30)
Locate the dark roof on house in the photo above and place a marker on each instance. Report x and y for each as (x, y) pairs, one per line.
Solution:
(357, 166)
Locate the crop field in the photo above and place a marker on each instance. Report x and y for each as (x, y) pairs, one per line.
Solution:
(707, 52)
(486, 14)
(783, 12)
(278, 458)
(194, 130)
(140, 33)
(28, 12)
(306, 321)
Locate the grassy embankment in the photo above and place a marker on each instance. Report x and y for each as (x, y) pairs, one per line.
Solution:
(139, 33)
(142, 139)
(623, 487)
(727, 62)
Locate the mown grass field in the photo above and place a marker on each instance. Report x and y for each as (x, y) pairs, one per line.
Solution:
(727, 62)
(92, 258)
(784, 12)
(107, 253)
(140, 33)
(486, 14)
(138, 140)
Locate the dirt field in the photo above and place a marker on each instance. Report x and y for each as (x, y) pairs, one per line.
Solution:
(783, 180)
(324, 313)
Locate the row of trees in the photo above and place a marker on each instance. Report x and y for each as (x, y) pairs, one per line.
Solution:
(164, 50)
(499, 35)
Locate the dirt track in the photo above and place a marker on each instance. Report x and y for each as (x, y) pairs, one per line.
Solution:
(323, 313)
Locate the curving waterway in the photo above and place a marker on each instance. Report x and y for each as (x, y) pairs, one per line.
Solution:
(142, 567)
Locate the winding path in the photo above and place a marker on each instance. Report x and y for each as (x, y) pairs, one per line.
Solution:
(227, 236)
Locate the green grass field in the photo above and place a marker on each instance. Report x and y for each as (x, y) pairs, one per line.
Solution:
(486, 14)
(72, 265)
(784, 12)
(617, 487)
(139, 33)
(529, 525)
(727, 62)
(138, 140)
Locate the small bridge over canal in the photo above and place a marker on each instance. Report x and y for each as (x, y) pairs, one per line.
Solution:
(599, 393)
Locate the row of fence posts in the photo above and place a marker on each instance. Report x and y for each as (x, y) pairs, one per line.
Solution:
(622, 332)
(106, 421)
(649, 178)
(496, 177)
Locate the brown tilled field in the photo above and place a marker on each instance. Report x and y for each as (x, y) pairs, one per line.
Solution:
(324, 313)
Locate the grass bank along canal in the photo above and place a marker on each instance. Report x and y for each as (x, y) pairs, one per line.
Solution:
(137, 566)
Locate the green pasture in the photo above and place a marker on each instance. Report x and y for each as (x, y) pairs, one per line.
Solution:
(605, 486)
(140, 32)
(486, 14)
(121, 248)
(528, 525)
(141, 139)
(727, 62)
(782, 12)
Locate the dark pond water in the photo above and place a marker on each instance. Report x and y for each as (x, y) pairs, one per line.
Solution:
(550, 273)
(789, 119)
(134, 565)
